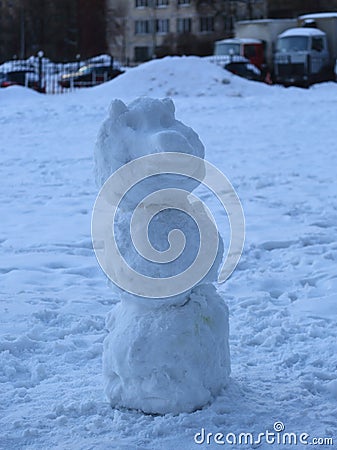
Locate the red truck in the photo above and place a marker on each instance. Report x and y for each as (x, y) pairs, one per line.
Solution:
(251, 49)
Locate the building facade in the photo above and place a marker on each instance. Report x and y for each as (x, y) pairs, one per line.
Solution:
(138, 30)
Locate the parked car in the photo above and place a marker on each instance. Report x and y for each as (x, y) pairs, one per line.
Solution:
(88, 76)
(245, 69)
(26, 78)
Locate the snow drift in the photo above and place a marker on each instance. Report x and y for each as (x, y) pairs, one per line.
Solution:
(175, 76)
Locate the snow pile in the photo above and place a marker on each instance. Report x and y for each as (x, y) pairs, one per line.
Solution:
(17, 94)
(187, 76)
(300, 31)
(170, 356)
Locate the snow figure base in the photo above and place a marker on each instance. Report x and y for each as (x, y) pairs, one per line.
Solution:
(167, 359)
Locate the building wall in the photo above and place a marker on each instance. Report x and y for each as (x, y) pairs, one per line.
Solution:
(134, 32)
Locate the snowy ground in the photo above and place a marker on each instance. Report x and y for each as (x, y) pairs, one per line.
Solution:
(278, 147)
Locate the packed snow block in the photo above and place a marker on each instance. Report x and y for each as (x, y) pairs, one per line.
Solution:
(167, 359)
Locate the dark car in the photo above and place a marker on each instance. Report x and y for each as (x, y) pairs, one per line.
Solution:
(88, 76)
(244, 69)
(26, 78)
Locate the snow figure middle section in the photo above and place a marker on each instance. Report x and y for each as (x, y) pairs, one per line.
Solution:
(167, 348)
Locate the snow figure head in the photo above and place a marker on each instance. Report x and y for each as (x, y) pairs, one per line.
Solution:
(144, 127)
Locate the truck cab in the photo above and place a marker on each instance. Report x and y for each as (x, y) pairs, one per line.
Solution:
(302, 57)
(234, 49)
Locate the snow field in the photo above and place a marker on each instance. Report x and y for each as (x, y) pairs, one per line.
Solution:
(278, 148)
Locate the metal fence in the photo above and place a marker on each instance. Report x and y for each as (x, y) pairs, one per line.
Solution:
(48, 77)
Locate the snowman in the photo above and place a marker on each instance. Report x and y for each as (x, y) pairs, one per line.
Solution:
(167, 345)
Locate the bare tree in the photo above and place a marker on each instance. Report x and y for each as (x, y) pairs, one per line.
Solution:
(49, 26)
(91, 24)
(62, 28)
(116, 26)
(9, 32)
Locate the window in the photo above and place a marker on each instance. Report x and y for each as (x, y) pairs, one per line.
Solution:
(293, 44)
(226, 49)
(162, 3)
(206, 24)
(184, 25)
(184, 2)
(163, 26)
(141, 3)
(142, 27)
(317, 44)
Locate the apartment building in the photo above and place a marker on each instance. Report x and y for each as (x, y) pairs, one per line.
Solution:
(138, 30)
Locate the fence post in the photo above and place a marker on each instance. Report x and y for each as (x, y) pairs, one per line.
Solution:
(78, 59)
(40, 56)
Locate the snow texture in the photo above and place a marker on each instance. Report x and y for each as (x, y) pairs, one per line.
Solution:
(167, 359)
(174, 357)
(278, 148)
(146, 126)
